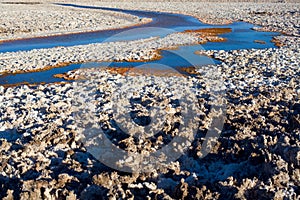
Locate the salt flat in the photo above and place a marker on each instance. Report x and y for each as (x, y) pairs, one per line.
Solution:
(27, 21)
(256, 156)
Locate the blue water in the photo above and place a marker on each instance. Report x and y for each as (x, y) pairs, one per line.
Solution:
(241, 37)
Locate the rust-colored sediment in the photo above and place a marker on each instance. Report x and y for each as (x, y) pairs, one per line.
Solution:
(5, 73)
(156, 56)
(210, 31)
(118, 70)
(67, 77)
(125, 71)
(188, 70)
(215, 39)
(63, 76)
(209, 34)
(260, 41)
(277, 42)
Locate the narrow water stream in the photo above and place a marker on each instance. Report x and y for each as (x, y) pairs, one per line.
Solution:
(241, 37)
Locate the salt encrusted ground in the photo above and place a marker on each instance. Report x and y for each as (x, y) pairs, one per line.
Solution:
(33, 20)
(256, 157)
